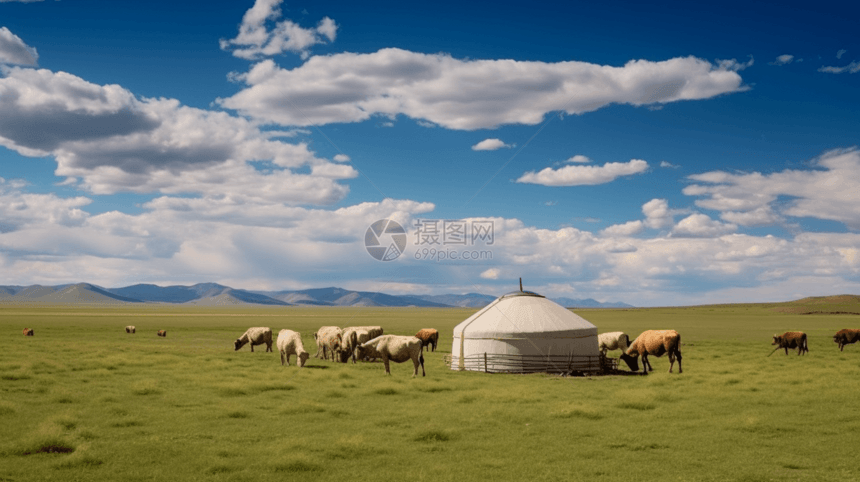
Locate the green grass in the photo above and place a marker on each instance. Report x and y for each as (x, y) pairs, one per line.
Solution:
(83, 400)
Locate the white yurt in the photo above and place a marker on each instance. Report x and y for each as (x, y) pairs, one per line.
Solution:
(523, 332)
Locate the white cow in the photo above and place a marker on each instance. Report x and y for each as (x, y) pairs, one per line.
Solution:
(615, 340)
(290, 343)
(255, 336)
(395, 348)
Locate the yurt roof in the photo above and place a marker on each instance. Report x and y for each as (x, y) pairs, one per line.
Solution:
(522, 313)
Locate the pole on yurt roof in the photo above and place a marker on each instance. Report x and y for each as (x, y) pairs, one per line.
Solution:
(521, 283)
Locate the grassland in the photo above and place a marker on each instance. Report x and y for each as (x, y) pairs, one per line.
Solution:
(82, 400)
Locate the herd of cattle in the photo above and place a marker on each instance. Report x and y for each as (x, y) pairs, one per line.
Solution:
(660, 342)
(356, 342)
(369, 343)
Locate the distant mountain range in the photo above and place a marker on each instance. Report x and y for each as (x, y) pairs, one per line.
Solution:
(212, 294)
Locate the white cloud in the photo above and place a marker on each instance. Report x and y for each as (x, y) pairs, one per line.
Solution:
(840, 53)
(851, 68)
(255, 40)
(13, 50)
(657, 214)
(247, 243)
(732, 64)
(464, 94)
(783, 60)
(490, 145)
(668, 165)
(626, 229)
(584, 175)
(829, 191)
(341, 158)
(107, 141)
(700, 225)
(579, 159)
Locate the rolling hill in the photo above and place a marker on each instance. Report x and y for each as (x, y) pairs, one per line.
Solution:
(213, 294)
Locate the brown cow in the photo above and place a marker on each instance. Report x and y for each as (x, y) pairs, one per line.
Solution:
(28, 332)
(428, 336)
(846, 337)
(791, 339)
(162, 332)
(654, 342)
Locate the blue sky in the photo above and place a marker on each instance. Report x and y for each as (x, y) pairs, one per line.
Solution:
(658, 156)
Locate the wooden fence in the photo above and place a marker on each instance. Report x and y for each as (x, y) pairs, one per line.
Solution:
(566, 364)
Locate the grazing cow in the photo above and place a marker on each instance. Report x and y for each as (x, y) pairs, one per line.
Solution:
(329, 340)
(615, 340)
(162, 332)
(373, 331)
(28, 332)
(846, 337)
(351, 341)
(428, 336)
(255, 336)
(129, 329)
(290, 343)
(654, 342)
(395, 348)
(791, 339)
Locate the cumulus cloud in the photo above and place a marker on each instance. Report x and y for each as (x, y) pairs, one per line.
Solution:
(108, 141)
(247, 243)
(490, 145)
(700, 225)
(584, 175)
(626, 229)
(464, 94)
(579, 159)
(13, 50)
(783, 60)
(851, 68)
(255, 40)
(829, 191)
(668, 165)
(657, 214)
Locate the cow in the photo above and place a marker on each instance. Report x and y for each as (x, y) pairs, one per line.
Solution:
(395, 348)
(28, 332)
(329, 340)
(846, 336)
(129, 329)
(791, 339)
(614, 340)
(255, 336)
(347, 348)
(290, 343)
(428, 336)
(162, 332)
(654, 342)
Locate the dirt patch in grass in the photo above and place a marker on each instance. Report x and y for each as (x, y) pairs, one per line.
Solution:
(46, 445)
